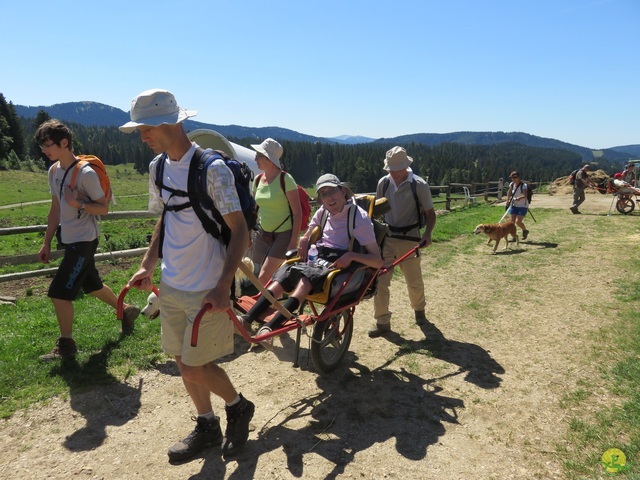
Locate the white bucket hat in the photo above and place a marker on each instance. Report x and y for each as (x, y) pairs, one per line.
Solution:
(270, 149)
(397, 159)
(155, 107)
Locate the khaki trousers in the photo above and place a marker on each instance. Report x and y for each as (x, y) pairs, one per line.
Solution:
(393, 249)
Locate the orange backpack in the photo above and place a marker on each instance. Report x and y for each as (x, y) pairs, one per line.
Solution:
(97, 165)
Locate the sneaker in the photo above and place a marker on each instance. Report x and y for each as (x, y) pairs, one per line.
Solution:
(574, 210)
(525, 234)
(129, 316)
(237, 432)
(379, 330)
(206, 434)
(421, 318)
(65, 348)
(267, 342)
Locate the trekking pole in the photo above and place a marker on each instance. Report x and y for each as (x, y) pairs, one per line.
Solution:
(534, 218)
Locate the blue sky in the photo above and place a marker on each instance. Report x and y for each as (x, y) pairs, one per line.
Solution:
(565, 69)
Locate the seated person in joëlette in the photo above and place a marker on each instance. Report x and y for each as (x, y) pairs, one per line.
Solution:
(301, 278)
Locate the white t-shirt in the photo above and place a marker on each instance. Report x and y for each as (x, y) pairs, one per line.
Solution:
(74, 229)
(192, 259)
(520, 190)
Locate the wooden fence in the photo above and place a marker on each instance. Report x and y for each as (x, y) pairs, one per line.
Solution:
(467, 193)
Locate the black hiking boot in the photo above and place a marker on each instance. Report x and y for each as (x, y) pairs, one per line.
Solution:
(237, 432)
(421, 317)
(379, 330)
(206, 434)
(65, 348)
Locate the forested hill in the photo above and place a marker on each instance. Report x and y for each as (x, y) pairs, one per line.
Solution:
(633, 150)
(83, 113)
(101, 115)
(461, 157)
(493, 138)
(92, 114)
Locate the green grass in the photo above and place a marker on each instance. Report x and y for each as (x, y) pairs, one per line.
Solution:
(30, 329)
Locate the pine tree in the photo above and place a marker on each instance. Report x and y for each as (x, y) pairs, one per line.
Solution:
(34, 149)
(12, 129)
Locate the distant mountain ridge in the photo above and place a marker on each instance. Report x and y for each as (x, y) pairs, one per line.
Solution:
(94, 113)
(492, 138)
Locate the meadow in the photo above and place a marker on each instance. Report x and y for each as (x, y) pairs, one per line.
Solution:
(596, 386)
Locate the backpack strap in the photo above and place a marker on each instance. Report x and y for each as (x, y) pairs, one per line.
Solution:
(197, 193)
(283, 187)
(351, 223)
(256, 182)
(414, 190)
(173, 192)
(199, 197)
(66, 172)
(351, 226)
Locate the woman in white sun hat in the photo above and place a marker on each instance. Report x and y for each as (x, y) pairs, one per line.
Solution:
(280, 213)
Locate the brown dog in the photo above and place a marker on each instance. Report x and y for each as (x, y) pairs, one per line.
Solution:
(498, 231)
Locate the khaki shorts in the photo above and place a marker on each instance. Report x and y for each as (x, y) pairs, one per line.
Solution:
(178, 309)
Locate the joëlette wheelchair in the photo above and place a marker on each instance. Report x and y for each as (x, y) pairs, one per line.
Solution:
(623, 194)
(330, 312)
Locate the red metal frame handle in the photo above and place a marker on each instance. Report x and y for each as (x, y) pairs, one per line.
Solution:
(196, 323)
(384, 270)
(123, 293)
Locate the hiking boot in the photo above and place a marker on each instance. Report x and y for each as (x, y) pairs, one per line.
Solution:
(65, 348)
(129, 316)
(206, 434)
(237, 432)
(525, 234)
(421, 318)
(379, 330)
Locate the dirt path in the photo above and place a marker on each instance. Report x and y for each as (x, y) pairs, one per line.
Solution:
(475, 394)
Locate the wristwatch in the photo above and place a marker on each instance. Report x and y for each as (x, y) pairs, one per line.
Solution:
(81, 209)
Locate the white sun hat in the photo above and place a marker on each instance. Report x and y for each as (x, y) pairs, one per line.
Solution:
(155, 107)
(270, 149)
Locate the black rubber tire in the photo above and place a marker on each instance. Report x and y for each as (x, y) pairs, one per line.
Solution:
(331, 340)
(625, 205)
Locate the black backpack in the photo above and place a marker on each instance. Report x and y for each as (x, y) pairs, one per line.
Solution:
(200, 200)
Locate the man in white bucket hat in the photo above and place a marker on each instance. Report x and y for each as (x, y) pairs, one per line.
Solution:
(197, 269)
(411, 209)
